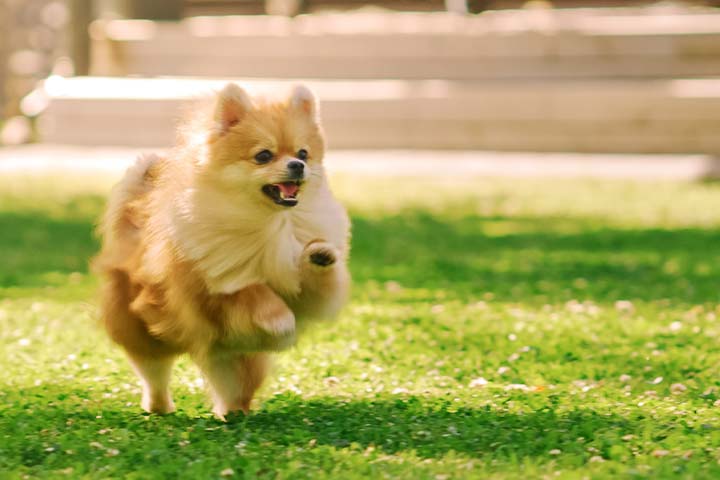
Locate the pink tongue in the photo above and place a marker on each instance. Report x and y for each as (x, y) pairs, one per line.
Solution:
(289, 189)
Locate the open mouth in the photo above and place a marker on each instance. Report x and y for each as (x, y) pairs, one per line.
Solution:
(284, 193)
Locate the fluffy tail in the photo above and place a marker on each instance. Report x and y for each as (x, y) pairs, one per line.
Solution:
(124, 217)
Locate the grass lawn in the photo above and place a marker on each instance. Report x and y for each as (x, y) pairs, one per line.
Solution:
(498, 329)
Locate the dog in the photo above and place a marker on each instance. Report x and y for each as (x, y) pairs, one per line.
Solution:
(224, 249)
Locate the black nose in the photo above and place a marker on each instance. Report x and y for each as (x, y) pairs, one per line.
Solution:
(296, 168)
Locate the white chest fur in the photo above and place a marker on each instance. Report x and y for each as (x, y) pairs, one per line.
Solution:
(233, 248)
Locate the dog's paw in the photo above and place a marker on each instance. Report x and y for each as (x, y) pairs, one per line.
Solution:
(321, 254)
(322, 259)
(279, 325)
(160, 404)
(228, 413)
(238, 409)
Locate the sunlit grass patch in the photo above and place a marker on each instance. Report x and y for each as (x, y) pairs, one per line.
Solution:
(497, 329)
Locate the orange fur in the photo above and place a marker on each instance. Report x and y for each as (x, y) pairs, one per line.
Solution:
(197, 259)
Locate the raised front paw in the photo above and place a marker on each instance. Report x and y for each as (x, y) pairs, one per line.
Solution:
(321, 254)
(276, 324)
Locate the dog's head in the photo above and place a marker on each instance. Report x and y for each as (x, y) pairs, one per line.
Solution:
(270, 152)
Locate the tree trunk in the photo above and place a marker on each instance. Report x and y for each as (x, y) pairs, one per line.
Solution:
(82, 15)
(4, 38)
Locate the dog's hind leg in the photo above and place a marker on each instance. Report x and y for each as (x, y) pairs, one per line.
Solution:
(155, 375)
(233, 379)
(151, 358)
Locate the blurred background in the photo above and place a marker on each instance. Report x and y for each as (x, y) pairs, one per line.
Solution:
(574, 76)
(535, 327)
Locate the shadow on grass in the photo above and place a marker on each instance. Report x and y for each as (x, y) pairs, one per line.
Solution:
(35, 247)
(543, 259)
(428, 428)
(515, 258)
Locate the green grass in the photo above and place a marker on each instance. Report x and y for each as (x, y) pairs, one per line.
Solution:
(590, 307)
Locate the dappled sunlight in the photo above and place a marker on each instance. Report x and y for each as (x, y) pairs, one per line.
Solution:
(466, 236)
(574, 203)
(529, 261)
(530, 189)
(508, 320)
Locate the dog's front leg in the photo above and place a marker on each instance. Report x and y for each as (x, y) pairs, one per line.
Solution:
(257, 319)
(254, 320)
(324, 282)
(233, 379)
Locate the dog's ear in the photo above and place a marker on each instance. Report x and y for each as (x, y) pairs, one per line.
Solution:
(231, 106)
(302, 99)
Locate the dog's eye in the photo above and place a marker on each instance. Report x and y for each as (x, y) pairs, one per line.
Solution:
(302, 154)
(264, 157)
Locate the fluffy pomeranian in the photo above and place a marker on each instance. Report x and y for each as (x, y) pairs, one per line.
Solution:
(225, 249)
